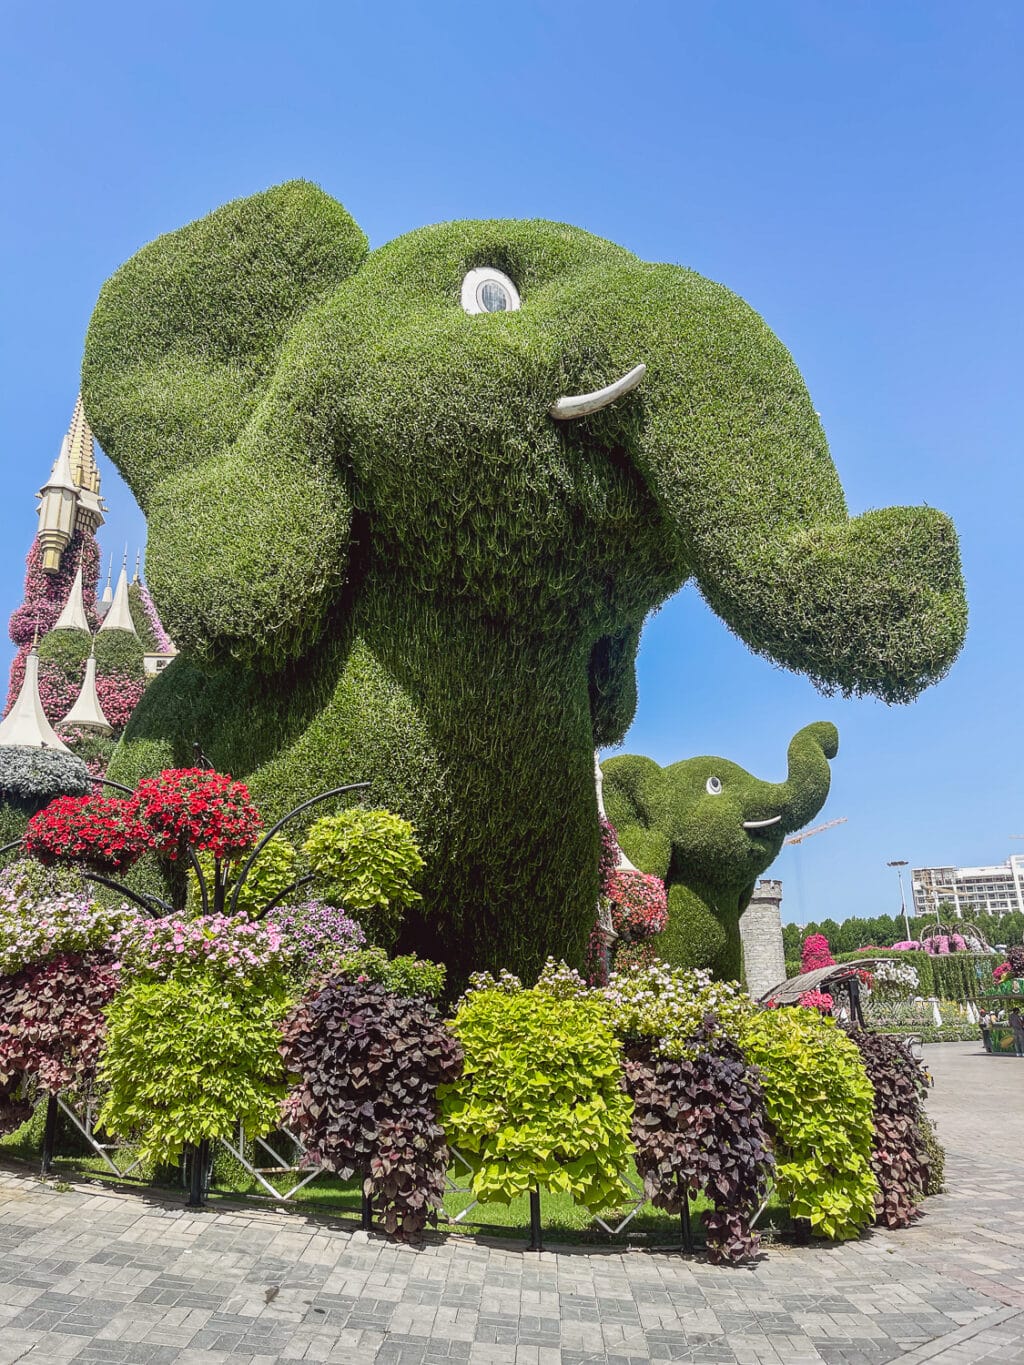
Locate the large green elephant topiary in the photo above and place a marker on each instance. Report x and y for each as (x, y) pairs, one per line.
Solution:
(389, 552)
(709, 830)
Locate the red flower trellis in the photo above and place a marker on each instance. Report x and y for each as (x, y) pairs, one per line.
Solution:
(639, 904)
(208, 811)
(104, 833)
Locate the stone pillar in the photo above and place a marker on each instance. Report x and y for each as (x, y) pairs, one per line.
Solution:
(764, 958)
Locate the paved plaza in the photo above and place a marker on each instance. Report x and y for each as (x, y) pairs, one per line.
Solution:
(120, 1279)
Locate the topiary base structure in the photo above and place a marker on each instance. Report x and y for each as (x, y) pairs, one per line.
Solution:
(402, 539)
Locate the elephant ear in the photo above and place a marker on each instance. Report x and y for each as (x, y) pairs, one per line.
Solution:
(636, 799)
(194, 385)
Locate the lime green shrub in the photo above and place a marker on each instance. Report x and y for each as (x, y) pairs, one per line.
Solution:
(820, 1105)
(540, 1102)
(366, 860)
(188, 1058)
(407, 976)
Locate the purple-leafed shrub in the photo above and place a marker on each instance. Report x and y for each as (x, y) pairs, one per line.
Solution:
(367, 1065)
(699, 1123)
(899, 1156)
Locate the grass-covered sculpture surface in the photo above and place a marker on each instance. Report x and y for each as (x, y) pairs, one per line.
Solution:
(384, 557)
(709, 830)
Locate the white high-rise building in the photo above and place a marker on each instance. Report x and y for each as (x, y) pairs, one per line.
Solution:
(973, 891)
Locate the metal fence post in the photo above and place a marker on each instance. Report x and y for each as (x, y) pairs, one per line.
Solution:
(199, 1157)
(49, 1135)
(536, 1239)
(684, 1219)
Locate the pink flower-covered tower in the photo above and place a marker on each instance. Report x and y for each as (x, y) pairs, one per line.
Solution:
(95, 657)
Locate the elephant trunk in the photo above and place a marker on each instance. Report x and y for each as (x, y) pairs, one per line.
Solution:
(873, 604)
(805, 790)
(736, 459)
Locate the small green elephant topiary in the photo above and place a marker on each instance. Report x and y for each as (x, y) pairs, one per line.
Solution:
(409, 508)
(709, 830)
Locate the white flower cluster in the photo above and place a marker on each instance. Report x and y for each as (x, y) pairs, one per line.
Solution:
(895, 978)
(668, 1004)
(561, 981)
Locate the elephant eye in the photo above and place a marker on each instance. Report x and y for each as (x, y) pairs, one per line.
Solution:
(486, 290)
(713, 786)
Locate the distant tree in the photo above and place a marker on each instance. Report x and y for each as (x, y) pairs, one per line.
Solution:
(830, 928)
(792, 937)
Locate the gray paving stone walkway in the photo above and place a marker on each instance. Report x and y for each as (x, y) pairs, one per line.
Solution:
(118, 1279)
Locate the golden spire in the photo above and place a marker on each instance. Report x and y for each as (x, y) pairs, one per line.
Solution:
(81, 450)
(82, 458)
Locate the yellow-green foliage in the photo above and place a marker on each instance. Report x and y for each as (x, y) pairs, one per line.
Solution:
(393, 565)
(367, 861)
(820, 1104)
(189, 1058)
(685, 823)
(540, 1101)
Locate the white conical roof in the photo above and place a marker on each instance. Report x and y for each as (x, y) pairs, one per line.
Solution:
(87, 711)
(108, 594)
(26, 722)
(119, 617)
(60, 474)
(73, 616)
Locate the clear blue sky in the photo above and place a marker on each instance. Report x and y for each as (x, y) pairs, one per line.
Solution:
(853, 170)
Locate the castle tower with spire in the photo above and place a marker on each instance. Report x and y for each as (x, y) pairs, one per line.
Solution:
(70, 499)
(82, 663)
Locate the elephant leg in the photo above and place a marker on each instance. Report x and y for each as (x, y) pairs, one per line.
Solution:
(698, 936)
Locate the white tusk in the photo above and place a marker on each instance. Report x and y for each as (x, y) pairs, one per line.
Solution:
(761, 824)
(580, 404)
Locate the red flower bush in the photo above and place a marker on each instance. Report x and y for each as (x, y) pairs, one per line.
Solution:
(193, 806)
(101, 832)
(816, 953)
(816, 1000)
(639, 904)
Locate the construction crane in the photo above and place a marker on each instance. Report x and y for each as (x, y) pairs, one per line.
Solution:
(818, 829)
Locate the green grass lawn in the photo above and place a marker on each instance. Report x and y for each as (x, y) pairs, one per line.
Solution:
(562, 1219)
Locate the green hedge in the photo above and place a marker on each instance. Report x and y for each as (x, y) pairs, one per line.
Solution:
(956, 976)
